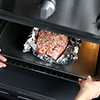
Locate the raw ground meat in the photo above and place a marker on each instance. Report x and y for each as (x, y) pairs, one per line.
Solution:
(50, 43)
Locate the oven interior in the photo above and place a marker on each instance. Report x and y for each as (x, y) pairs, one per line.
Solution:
(12, 38)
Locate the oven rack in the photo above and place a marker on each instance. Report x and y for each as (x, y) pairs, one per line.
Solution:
(38, 69)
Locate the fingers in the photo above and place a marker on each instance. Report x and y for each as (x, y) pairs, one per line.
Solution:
(89, 78)
(2, 65)
(80, 81)
(3, 59)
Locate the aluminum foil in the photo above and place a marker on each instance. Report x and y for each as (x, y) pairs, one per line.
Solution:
(69, 54)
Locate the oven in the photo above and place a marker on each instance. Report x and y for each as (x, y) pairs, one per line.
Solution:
(26, 77)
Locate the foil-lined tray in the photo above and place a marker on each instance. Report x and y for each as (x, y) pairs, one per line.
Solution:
(70, 53)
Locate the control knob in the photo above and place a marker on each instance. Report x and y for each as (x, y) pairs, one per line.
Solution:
(47, 9)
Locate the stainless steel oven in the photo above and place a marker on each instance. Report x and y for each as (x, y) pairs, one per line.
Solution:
(28, 78)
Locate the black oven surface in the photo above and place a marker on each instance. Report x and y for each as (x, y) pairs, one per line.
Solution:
(34, 85)
(15, 35)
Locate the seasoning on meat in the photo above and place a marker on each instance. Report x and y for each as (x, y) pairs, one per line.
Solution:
(51, 44)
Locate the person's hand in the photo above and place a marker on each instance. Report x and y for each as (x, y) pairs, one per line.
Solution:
(3, 59)
(89, 89)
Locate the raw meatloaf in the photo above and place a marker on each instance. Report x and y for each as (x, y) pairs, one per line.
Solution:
(51, 44)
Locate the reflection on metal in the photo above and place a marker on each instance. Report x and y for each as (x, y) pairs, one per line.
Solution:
(86, 64)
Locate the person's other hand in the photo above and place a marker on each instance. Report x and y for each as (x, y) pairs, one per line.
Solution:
(3, 59)
(89, 89)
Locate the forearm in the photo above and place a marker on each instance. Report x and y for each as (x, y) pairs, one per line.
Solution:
(83, 95)
(89, 89)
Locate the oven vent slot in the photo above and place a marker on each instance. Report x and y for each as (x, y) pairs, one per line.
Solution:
(39, 69)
